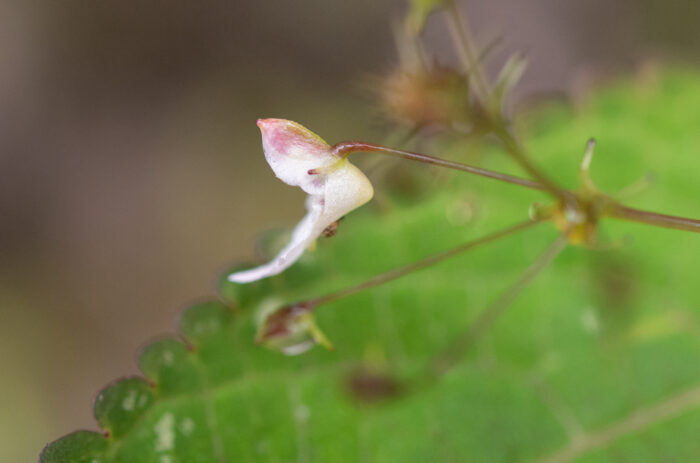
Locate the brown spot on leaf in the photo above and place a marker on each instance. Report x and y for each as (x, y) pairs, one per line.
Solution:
(615, 281)
(371, 387)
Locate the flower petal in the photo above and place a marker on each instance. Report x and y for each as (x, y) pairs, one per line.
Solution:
(303, 235)
(345, 189)
(292, 150)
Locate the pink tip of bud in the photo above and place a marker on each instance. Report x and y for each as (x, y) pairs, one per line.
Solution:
(268, 122)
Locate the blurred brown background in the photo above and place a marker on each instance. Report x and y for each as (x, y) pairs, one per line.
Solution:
(131, 171)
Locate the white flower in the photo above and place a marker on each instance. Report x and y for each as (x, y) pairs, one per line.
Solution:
(335, 187)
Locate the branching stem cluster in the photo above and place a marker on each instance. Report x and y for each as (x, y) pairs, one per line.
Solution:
(576, 213)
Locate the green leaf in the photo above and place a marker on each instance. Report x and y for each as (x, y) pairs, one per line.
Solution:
(78, 447)
(119, 406)
(597, 360)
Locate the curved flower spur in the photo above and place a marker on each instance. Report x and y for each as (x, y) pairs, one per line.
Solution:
(335, 187)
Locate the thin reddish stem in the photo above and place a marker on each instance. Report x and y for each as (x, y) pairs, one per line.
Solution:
(345, 148)
(418, 265)
(514, 148)
(619, 211)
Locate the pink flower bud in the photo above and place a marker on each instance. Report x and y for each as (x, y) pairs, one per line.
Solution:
(291, 330)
